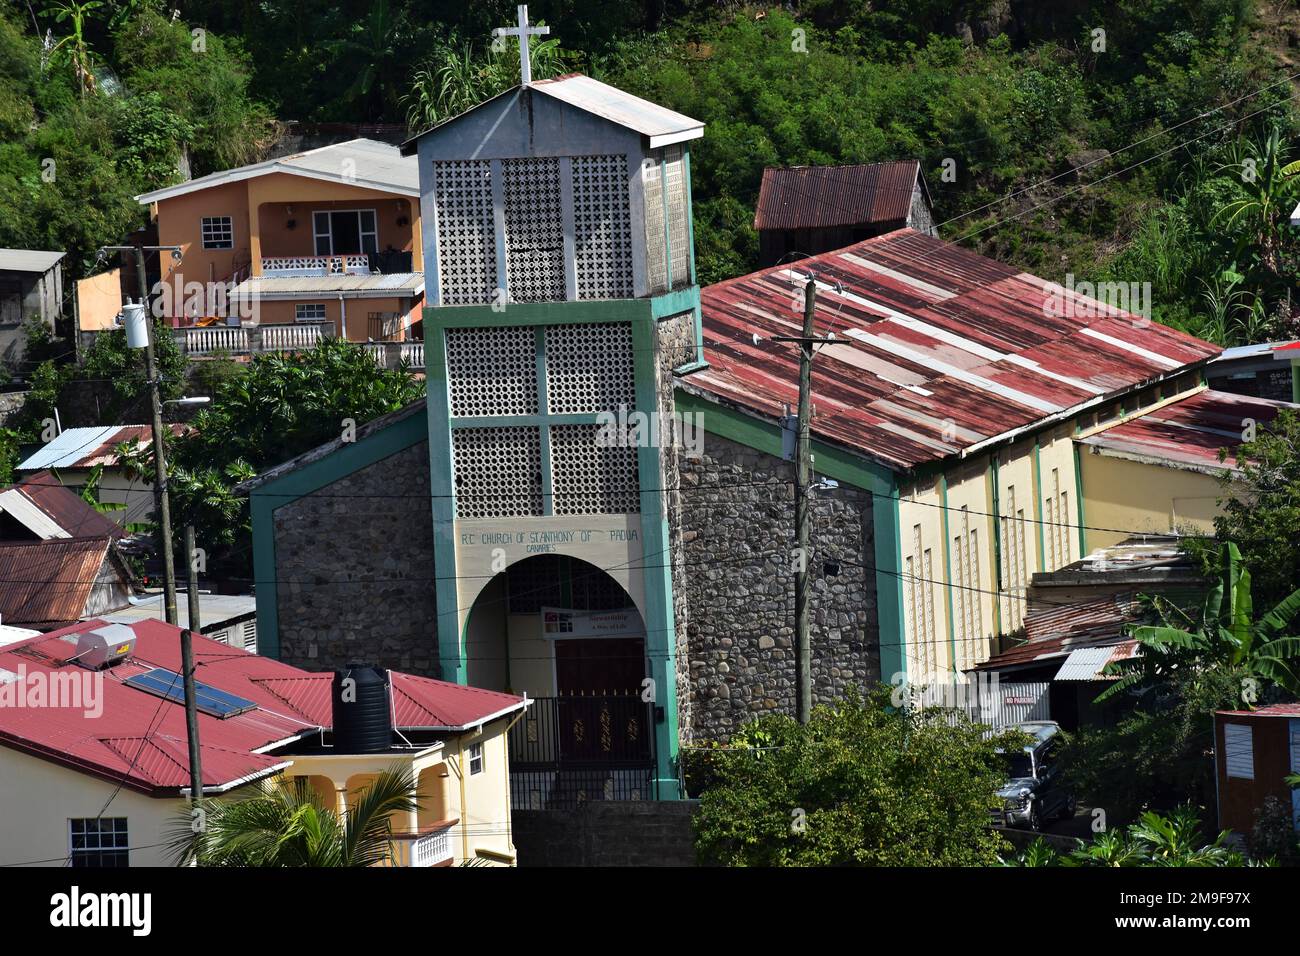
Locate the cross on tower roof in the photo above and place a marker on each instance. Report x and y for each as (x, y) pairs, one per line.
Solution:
(523, 31)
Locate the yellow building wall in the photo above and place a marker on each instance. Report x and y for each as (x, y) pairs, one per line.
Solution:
(39, 798)
(970, 560)
(928, 654)
(1058, 497)
(1018, 509)
(1133, 497)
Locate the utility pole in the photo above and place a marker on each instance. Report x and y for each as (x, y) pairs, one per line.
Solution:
(162, 502)
(802, 502)
(187, 664)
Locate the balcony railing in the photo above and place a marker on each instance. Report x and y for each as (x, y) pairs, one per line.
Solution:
(316, 265)
(253, 339)
(423, 849)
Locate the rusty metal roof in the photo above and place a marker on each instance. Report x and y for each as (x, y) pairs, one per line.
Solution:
(816, 197)
(1188, 433)
(48, 582)
(942, 349)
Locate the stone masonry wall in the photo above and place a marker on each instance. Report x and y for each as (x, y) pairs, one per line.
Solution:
(737, 519)
(355, 570)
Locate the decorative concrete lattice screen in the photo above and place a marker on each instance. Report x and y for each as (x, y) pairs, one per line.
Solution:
(492, 371)
(656, 255)
(534, 230)
(679, 237)
(592, 477)
(589, 368)
(602, 227)
(467, 249)
(498, 471)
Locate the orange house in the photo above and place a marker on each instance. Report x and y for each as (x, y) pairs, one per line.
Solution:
(325, 242)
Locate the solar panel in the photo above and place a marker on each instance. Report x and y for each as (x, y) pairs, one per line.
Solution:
(209, 700)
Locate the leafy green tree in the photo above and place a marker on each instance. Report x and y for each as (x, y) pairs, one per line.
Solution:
(73, 48)
(861, 784)
(1261, 508)
(281, 406)
(1154, 840)
(1269, 185)
(281, 824)
(1224, 634)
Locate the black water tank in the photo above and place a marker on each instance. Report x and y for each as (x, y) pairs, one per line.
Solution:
(363, 722)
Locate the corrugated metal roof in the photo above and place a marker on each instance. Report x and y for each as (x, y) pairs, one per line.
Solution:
(29, 260)
(367, 163)
(942, 348)
(213, 609)
(361, 286)
(44, 582)
(74, 516)
(812, 197)
(87, 447)
(140, 738)
(663, 126)
(1087, 663)
(1188, 433)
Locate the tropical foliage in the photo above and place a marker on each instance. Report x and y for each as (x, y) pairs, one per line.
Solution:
(1172, 839)
(1224, 635)
(281, 406)
(286, 824)
(862, 784)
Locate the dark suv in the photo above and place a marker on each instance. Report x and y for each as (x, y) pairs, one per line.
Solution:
(1034, 793)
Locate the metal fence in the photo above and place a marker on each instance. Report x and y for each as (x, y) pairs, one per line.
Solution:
(999, 704)
(571, 750)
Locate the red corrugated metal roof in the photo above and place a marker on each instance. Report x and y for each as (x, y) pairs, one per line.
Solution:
(141, 739)
(66, 508)
(814, 197)
(942, 348)
(1272, 710)
(49, 582)
(1188, 433)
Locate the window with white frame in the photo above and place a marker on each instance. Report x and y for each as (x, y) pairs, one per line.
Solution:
(345, 232)
(98, 842)
(475, 759)
(309, 311)
(218, 232)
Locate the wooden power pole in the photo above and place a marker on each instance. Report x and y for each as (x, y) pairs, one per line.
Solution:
(802, 503)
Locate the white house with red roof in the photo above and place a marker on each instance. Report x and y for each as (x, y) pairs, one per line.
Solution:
(94, 761)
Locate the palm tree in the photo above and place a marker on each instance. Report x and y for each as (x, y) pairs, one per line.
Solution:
(279, 824)
(1224, 634)
(455, 79)
(1270, 189)
(74, 44)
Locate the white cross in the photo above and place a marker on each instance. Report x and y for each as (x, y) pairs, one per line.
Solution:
(523, 31)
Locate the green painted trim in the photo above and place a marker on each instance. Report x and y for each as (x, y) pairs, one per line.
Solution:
(700, 360)
(994, 492)
(504, 421)
(886, 522)
(764, 436)
(947, 570)
(675, 302)
(451, 643)
(668, 231)
(1295, 381)
(690, 367)
(656, 560)
(536, 313)
(264, 500)
(690, 213)
(544, 432)
(1038, 506)
(1078, 500)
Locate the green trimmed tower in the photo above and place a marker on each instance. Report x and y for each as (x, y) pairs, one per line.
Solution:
(560, 273)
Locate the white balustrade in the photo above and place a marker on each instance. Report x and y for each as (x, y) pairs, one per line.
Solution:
(216, 338)
(315, 265)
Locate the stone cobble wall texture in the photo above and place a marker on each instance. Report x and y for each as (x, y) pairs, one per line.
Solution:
(607, 833)
(737, 508)
(355, 572)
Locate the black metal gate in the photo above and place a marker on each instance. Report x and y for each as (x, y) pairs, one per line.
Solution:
(570, 750)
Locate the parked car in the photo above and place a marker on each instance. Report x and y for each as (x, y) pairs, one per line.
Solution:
(1034, 792)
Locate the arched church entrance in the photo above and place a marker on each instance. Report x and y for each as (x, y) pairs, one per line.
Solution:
(568, 635)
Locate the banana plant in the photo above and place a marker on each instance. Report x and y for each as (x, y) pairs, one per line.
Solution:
(1225, 633)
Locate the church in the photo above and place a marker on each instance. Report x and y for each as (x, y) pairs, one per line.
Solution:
(549, 521)
(594, 505)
